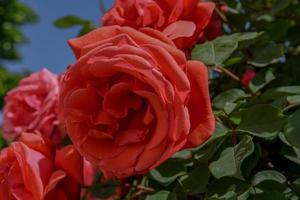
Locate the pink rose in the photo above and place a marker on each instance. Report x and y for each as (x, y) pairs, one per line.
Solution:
(32, 169)
(32, 107)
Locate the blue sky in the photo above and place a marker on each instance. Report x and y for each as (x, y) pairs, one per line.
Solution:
(48, 45)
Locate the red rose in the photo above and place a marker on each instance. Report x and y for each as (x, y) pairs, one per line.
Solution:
(183, 21)
(30, 171)
(132, 100)
(32, 106)
(247, 77)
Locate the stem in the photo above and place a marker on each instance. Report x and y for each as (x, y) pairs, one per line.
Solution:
(137, 194)
(101, 6)
(221, 14)
(141, 187)
(227, 72)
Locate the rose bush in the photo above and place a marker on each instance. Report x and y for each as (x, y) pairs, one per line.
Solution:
(254, 80)
(183, 21)
(32, 107)
(31, 169)
(132, 100)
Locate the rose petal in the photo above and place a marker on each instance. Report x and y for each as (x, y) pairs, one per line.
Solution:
(202, 118)
(55, 178)
(180, 29)
(71, 162)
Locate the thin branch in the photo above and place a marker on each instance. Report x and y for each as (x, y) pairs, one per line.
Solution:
(221, 15)
(137, 194)
(141, 187)
(102, 7)
(227, 72)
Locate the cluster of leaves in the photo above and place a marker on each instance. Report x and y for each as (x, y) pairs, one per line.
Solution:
(7, 82)
(13, 14)
(255, 150)
(70, 21)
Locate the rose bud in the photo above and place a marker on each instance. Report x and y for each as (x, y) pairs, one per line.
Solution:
(32, 107)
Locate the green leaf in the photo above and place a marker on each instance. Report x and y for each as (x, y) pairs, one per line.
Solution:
(251, 161)
(265, 54)
(278, 30)
(296, 186)
(195, 182)
(229, 96)
(2, 142)
(161, 195)
(229, 195)
(279, 5)
(220, 187)
(205, 153)
(269, 196)
(183, 154)
(69, 21)
(261, 80)
(179, 192)
(105, 190)
(293, 100)
(219, 50)
(288, 151)
(275, 93)
(272, 181)
(231, 159)
(292, 129)
(263, 121)
(168, 172)
(291, 153)
(86, 28)
(268, 175)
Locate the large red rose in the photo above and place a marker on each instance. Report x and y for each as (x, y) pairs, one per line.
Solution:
(183, 21)
(132, 100)
(32, 107)
(31, 170)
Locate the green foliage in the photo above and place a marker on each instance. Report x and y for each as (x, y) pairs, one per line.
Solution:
(219, 50)
(70, 21)
(7, 82)
(292, 129)
(263, 121)
(231, 159)
(13, 14)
